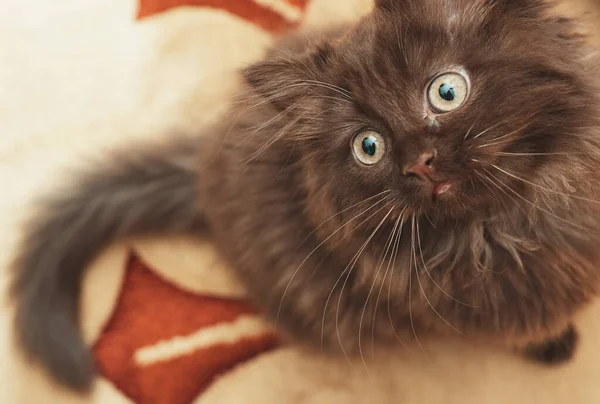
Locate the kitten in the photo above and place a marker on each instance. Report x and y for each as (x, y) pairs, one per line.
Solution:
(432, 170)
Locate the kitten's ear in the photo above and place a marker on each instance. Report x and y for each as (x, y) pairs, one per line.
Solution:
(280, 80)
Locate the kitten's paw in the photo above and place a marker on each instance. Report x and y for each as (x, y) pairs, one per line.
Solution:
(555, 351)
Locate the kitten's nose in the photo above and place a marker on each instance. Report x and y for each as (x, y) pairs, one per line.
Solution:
(422, 167)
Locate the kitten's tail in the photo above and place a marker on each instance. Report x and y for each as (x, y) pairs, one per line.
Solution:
(140, 192)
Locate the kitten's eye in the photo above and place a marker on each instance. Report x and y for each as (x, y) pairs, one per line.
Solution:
(368, 147)
(447, 92)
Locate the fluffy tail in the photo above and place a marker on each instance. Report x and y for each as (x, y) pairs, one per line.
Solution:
(136, 193)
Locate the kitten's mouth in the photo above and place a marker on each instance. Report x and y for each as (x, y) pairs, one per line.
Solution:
(436, 191)
(442, 188)
(442, 196)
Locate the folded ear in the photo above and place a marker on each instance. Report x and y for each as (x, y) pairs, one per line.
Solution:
(284, 81)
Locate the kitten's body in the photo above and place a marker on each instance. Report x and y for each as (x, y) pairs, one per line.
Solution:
(337, 252)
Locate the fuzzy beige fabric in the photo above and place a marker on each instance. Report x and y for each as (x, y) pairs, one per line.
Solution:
(82, 76)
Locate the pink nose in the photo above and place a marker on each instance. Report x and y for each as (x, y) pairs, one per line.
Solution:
(423, 166)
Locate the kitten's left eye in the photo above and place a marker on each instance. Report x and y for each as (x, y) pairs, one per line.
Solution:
(368, 147)
(447, 92)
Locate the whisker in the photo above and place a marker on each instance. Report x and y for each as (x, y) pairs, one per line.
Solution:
(535, 154)
(491, 181)
(390, 268)
(296, 138)
(472, 183)
(263, 100)
(281, 94)
(493, 144)
(257, 128)
(330, 86)
(484, 181)
(327, 239)
(470, 129)
(496, 141)
(472, 126)
(483, 269)
(387, 246)
(278, 135)
(545, 188)
(300, 83)
(341, 276)
(401, 46)
(421, 285)
(346, 100)
(429, 274)
(387, 191)
(238, 115)
(410, 267)
(430, 222)
(554, 215)
(362, 315)
(489, 129)
(282, 132)
(329, 97)
(353, 262)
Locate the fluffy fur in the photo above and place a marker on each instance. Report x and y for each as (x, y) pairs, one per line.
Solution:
(340, 254)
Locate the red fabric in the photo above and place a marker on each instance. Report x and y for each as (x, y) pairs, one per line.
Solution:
(246, 9)
(150, 310)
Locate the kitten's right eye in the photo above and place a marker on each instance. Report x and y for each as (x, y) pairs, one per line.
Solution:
(368, 147)
(447, 92)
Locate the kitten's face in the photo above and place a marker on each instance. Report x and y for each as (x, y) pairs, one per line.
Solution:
(443, 104)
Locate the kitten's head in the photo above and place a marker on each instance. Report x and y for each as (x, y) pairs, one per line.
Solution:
(450, 107)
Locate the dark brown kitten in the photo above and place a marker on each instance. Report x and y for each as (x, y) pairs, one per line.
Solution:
(432, 170)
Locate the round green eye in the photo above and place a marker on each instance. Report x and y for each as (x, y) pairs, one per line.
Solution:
(368, 147)
(447, 92)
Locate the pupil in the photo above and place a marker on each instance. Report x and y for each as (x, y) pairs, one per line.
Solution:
(447, 92)
(369, 145)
